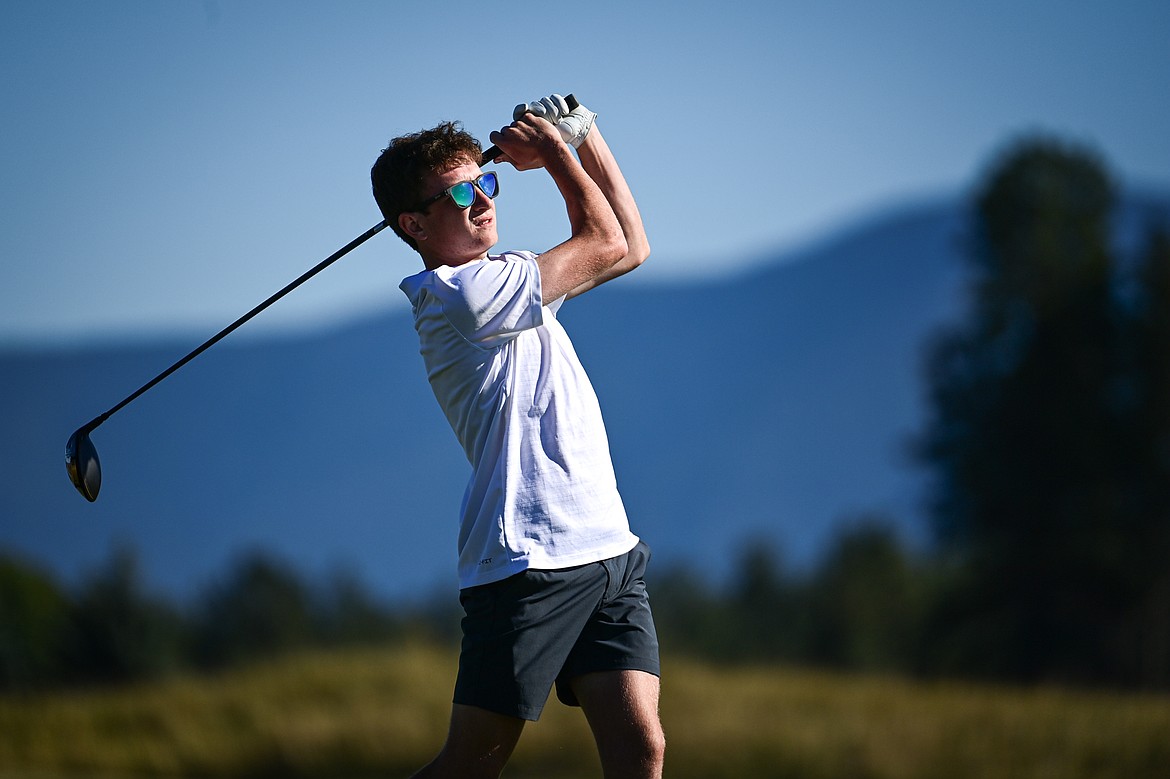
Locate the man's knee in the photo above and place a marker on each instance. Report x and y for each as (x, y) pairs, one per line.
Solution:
(653, 745)
(640, 752)
(622, 709)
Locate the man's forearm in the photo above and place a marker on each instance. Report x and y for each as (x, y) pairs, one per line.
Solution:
(599, 162)
(597, 241)
(587, 205)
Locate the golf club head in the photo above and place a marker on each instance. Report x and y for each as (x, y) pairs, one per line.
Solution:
(81, 461)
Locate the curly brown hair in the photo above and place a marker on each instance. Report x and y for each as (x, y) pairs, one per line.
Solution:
(398, 174)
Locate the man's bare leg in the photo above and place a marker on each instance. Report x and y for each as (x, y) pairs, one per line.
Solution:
(478, 746)
(622, 710)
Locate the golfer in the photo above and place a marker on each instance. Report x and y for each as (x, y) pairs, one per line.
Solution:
(550, 575)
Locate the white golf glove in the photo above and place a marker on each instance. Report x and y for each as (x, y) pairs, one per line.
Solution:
(574, 125)
(550, 108)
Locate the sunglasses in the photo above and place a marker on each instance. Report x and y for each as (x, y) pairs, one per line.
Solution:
(463, 193)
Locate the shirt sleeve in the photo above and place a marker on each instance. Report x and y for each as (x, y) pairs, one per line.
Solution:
(491, 301)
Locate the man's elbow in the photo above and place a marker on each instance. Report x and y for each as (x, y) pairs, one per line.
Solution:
(638, 251)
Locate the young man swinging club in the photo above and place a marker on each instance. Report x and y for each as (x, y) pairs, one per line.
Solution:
(551, 578)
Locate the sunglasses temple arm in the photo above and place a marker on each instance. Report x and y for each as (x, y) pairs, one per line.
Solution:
(493, 152)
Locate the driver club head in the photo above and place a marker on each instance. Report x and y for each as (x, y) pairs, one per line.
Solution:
(81, 461)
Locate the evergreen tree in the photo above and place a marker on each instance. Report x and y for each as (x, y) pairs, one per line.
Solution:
(1143, 643)
(865, 602)
(1025, 439)
(119, 632)
(34, 626)
(261, 610)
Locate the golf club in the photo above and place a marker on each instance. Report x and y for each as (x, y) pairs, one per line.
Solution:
(81, 458)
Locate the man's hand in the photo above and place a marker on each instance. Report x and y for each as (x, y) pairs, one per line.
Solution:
(576, 125)
(529, 142)
(608, 238)
(573, 124)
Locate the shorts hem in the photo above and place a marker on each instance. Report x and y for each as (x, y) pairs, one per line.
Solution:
(565, 692)
(528, 713)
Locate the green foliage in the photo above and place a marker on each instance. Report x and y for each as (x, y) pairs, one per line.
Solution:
(1142, 626)
(1047, 438)
(112, 631)
(118, 633)
(34, 620)
(862, 608)
(867, 602)
(859, 610)
(758, 616)
(260, 610)
(345, 614)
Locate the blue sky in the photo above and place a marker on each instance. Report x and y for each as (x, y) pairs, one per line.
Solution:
(167, 165)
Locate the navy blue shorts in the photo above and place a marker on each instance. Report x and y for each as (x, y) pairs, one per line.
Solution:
(524, 633)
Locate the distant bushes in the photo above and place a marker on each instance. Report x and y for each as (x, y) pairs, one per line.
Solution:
(111, 630)
(35, 626)
(863, 608)
(869, 605)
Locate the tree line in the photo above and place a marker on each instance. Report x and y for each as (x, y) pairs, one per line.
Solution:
(1048, 446)
(1049, 436)
(858, 609)
(112, 629)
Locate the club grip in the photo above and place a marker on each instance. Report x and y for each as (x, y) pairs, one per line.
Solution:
(494, 151)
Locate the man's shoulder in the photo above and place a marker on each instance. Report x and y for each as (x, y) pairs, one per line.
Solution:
(448, 272)
(474, 293)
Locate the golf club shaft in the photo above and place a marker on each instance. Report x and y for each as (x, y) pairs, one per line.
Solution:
(488, 156)
(224, 332)
(494, 151)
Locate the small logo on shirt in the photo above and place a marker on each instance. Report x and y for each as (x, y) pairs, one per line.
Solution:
(485, 561)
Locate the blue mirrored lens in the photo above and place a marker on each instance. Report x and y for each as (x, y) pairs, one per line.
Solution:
(463, 194)
(488, 183)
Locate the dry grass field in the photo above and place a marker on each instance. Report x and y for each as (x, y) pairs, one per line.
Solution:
(358, 714)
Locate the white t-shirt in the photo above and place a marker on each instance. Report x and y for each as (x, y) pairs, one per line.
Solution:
(542, 492)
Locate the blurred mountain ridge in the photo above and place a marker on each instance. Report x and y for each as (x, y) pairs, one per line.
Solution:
(771, 405)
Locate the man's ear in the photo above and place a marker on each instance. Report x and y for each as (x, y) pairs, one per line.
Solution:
(409, 224)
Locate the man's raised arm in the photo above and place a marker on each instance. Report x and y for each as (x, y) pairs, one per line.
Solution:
(597, 243)
(602, 167)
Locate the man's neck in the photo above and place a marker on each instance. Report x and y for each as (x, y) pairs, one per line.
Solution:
(430, 263)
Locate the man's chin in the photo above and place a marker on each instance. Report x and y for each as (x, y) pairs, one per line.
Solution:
(488, 237)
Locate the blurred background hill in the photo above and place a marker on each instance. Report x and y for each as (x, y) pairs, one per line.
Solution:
(774, 403)
(777, 403)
